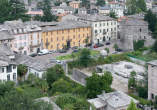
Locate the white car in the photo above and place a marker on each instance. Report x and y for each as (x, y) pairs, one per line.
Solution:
(43, 52)
(59, 62)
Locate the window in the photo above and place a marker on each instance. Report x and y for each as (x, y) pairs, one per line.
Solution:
(51, 33)
(95, 31)
(47, 33)
(73, 30)
(14, 66)
(152, 96)
(14, 76)
(51, 46)
(140, 29)
(100, 24)
(100, 30)
(74, 37)
(104, 24)
(8, 77)
(51, 39)
(95, 25)
(57, 38)
(2, 70)
(62, 31)
(62, 38)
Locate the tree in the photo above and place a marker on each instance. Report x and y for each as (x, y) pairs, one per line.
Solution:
(12, 10)
(142, 5)
(14, 100)
(115, 47)
(113, 15)
(151, 19)
(100, 3)
(108, 51)
(132, 106)
(85, 57)
(6, 87)
(154, 47)
(138, 44)
(85, 3)
(22, 70)
(46, 7)
(132, 80)
(61, 86)
(96, 84)
(53, 74)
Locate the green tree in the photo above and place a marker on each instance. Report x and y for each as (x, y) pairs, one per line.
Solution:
(138, 44)
(46, 7)
(53, 74)
(113, 15)
(96, 84)
(115, 47)
(85, 57)
(132, 80)
(132, 106)
(14, 100)
(85, 3)
(108, 51)
(141, 4)
(22, 70)
(12, 10)
(6, 87)
(154, 47)
(151, 19)
(100, 3)
(61, 86)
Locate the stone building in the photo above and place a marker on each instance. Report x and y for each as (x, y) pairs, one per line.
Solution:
(133, 28)
(152, 79)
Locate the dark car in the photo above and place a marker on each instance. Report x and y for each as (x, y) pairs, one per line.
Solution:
(75, 47)
(33, 55)
(75, 50)
(100, 45)
(62, 51)
(107, 43)
(119, 50)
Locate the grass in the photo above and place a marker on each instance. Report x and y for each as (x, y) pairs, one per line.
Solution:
(76, 54)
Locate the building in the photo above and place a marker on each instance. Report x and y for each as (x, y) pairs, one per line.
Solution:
(27, 36)
(66, 33)
(64, 10)
(104, 28)
(112, 101)
(36, 12)
(82, 10)
(6, 38)
(133, 28)
(35, 66)
(8, 67)
(104, 10)
(152, 79)
(75, 4)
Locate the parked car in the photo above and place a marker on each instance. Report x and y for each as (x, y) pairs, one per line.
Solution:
(43, 52)
(75, 47)
(95, 46)
(107, 43)
(119, 50)
(62, 51)
(75, 50)
(58, 62)
(33, 55)
(100, 45)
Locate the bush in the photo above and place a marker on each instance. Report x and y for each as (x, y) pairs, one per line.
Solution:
(53, 74)
(70, 101)
(141, 100)
(61, 86)
(138, 44)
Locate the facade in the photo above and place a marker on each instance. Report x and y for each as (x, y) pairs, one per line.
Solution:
(75, 4)
(6, 38)
(8, 67)
(133, 28)
(62, 10)
(26, 36)
(104, 28)
(112, 101)
(66, 33)
(104, 10)
(152, 79)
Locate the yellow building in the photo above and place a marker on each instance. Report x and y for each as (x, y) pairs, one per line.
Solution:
(66, 34)
(75, 4)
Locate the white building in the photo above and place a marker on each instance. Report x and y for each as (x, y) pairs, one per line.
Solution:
(152, 79)
(104, 28)
(8, 67)
(112, 101)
